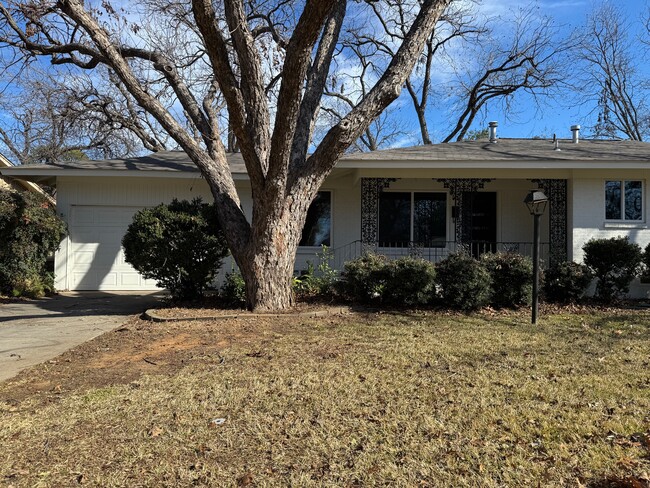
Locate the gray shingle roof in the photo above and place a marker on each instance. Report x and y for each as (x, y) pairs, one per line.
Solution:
(161, 161)
(524, 150)
(514, 149)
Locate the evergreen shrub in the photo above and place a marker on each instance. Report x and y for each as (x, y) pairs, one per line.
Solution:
(512, 279)
(615, 263)
(364, 279)
(646, 264)
(566, 282)
(180, 245)
(410, 281)
(30, 231)
(463, 282)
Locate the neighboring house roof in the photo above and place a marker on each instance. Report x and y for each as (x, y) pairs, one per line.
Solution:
(530, 154)
(27, 185)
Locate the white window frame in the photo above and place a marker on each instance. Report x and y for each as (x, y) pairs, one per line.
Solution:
(624, 220)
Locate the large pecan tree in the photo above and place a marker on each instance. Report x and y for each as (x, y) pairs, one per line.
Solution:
(236, 40)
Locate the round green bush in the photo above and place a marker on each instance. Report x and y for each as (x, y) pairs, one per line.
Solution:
(512, 279)
(180, 245)
(566, 282)
(364, 279)
(463, 282)
(615, 263)
(410, 281)
(30, 231)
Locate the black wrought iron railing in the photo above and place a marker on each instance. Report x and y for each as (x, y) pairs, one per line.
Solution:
(434, 253)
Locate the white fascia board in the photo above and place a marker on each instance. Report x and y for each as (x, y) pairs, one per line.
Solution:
(488, 165)
(24, 172)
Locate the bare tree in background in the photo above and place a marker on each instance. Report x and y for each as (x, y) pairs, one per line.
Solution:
(470, 61)
(46, 120)
(609, 75)
(352, 83)
(526, 57)
(459, 23)
(233, 40)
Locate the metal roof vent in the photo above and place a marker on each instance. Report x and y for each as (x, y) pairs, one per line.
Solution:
(492, 127)
(557, 143)
(575, 129)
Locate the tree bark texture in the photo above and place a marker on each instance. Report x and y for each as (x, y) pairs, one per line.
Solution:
(283, 179)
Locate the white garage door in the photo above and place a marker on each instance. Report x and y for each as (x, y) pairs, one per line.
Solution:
(95, 258)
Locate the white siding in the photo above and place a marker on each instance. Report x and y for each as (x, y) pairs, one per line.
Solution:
(514, 224)
(109, 194)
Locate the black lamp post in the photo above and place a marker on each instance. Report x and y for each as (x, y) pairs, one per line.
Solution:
(536, 202)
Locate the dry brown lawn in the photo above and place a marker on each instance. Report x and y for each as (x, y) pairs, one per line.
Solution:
(392, 399)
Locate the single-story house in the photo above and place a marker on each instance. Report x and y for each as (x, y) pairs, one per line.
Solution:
(427, 200)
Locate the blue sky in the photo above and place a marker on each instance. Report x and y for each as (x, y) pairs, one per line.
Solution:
(557, 117)
(548, 116)
(543, 119)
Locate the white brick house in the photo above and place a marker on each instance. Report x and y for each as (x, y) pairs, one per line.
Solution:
(425, 199)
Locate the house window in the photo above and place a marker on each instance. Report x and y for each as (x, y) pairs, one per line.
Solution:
(319, 221)
(624, 200)
(405, 217)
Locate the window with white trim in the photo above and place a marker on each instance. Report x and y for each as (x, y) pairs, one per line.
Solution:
(624, 200)
(318, 225)
(412, 217)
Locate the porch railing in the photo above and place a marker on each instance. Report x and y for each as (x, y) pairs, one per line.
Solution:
(435, 253)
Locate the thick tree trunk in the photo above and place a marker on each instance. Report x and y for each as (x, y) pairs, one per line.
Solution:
(268, 274)
(267, 263)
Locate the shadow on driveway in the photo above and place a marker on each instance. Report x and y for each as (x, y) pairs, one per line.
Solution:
(33, 331)
(76, 304)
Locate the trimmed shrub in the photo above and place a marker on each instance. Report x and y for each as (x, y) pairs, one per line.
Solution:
(512, 279)
(646, 264)
(615, 263)
(566, 282)
(464, 282)
(410, 281)
(30, 231)
(364, 279)
(233, 290)
(180, 245)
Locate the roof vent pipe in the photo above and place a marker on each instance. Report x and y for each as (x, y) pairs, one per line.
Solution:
(576, 133)
(493, 131)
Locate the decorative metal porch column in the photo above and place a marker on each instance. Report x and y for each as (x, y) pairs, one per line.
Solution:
(370, 190)
(457, 188)
(556, 191)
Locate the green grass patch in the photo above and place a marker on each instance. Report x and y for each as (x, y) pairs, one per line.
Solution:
(387, 399)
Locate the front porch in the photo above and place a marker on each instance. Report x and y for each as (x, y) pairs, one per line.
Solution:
(434, 217)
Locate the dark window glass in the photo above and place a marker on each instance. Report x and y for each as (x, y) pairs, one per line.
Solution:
(633, 200)
(319, 221)
(394, 219)
(430, 219)
(613, 200)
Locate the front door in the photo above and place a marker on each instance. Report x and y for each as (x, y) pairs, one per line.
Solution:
(481, 228)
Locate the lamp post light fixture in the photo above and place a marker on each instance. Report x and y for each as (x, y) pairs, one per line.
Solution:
(536, 202)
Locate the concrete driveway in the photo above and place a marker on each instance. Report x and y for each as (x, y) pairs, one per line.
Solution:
(34, 331)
